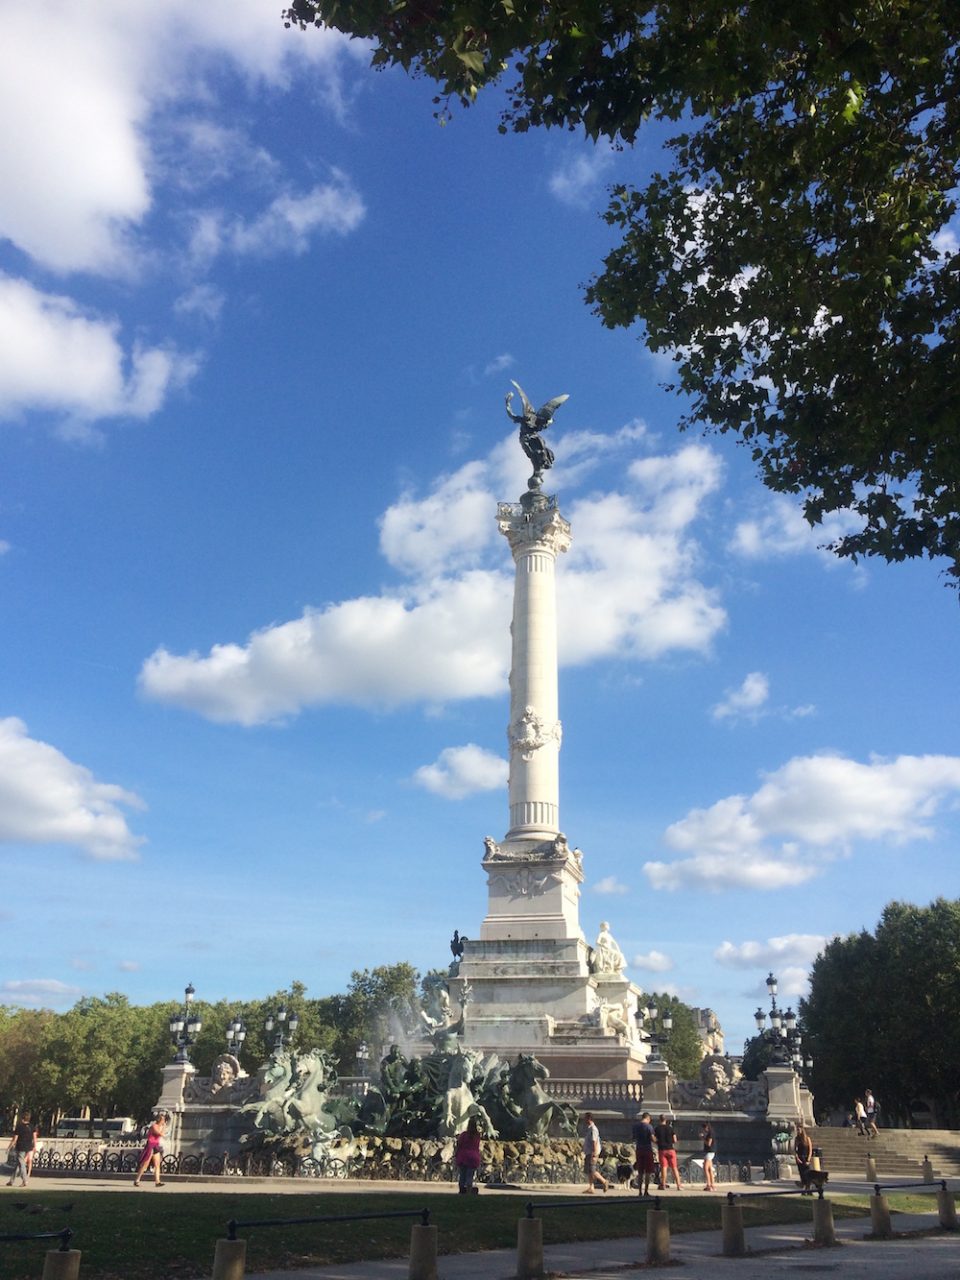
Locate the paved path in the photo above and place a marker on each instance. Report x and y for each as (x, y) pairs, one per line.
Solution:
(773, 1250)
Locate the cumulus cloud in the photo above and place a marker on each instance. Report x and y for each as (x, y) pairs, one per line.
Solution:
(85, 84)
(203, 300)
(781, 530)
(46, 798)
(796, 949)
(285, 226)
(100, 171)
(462, 771)
(745, 703)
(434, 645)
(627, 589)
(576, 179)
(652, 962)
(811, 810)
(499, 364)
(56, 357)
(610, 885)
(36, 992)
(421, 536)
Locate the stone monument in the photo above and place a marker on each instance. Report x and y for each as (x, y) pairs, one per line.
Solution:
(536, 985)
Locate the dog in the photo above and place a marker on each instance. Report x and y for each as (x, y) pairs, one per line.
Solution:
(624, 1173)
(812, 1180)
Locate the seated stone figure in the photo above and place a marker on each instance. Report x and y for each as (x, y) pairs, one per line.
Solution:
(608, 958)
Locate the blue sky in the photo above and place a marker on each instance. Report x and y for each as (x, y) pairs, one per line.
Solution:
(258, 314)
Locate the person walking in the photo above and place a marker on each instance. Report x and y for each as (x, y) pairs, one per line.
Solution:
(666, 1140)
(643, 1140)
(709, 1151)
(803, 1154)
(152, 1153)
(467, 1157)
(591, 1155)
(860, 1116)
(23, 1142)
(870, 1113)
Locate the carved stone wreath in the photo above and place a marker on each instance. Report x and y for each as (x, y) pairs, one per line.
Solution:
(525, 882)
(529, 733)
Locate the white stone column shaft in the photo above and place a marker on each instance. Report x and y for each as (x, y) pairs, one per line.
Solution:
(534, 733)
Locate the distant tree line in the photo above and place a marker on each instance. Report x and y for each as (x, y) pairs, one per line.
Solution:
(107, 1054)
(884, 1012)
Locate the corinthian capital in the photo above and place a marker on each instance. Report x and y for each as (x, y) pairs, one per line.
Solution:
(529, 529)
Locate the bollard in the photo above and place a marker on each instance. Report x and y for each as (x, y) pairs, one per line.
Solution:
(229, 1259)
(731, 1220)
(815, 1164)
(530, 1249)
(823, 1230)
(947, 1208)
(423, 1253)
(61, 1264)
(658, 1236)
(880, 1215)
(871, 1169)
(928, 1170)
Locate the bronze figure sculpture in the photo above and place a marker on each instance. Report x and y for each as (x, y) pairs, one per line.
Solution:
(531, 422)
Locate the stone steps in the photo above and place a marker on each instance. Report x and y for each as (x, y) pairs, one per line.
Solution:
(897, 1152)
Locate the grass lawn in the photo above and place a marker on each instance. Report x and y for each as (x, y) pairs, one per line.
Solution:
(172, 1233)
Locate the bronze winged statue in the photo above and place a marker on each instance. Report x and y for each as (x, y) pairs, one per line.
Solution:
(531, 422)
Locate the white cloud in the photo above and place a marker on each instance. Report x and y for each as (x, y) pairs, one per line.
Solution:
(947, 241)
(745, 703)
(203, 300)
(55, 357)
(287, 225)
(576, 179)
(35, 992)
(782, 530)
(610, 885)
(47, 799)
(129, 966)
(433, 645)
(796, 949)
(422, 536)
(652, 962)
(86, 83)
(462, 771)
(4, 547)
(628, 589)
(499, 364)
(812, 809)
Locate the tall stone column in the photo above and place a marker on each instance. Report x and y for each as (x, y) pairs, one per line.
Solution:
(537, 533)
(533, 875)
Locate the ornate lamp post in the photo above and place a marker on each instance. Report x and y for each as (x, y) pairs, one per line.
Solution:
(236, 1034)
(656, 1036)
(185, 1027)
(279, 1024)
(786, 1042)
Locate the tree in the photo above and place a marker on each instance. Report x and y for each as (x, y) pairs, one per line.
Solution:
(795, 259)
(884, 1012)
(23, 1039)
(683, 1049)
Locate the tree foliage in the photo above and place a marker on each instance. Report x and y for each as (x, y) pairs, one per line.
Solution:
(795, 257)
(884, 1012)
(683, 1048)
